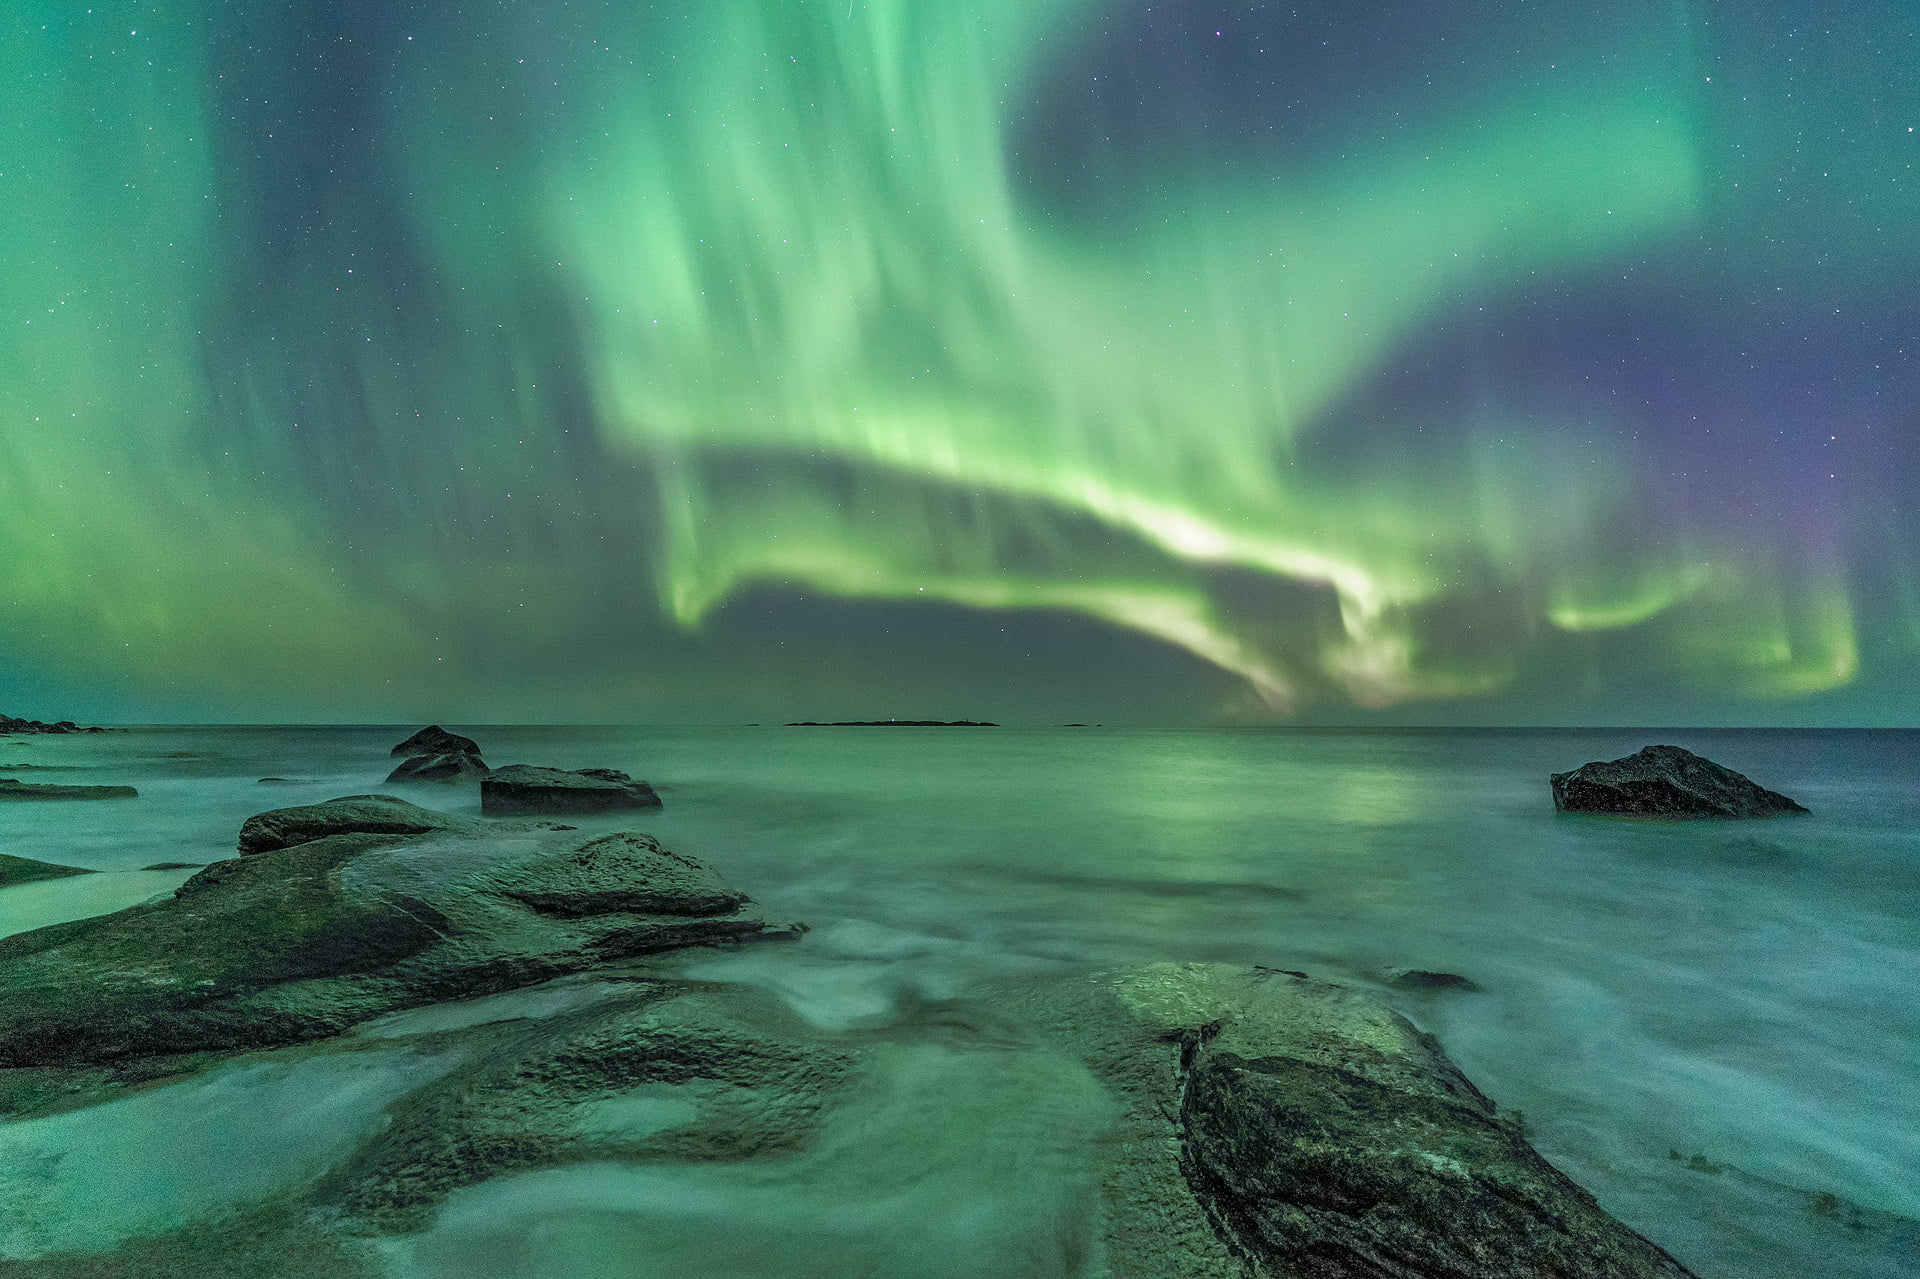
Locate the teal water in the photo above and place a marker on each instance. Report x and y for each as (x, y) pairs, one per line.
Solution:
(1740, 995)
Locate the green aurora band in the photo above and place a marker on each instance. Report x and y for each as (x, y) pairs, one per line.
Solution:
(477, 370)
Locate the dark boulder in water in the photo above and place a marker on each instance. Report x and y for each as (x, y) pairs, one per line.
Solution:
(304, 939)
(1665, 781)
(435, 740)
(443, 766)
(25, 870)
(528, 788)
(13, 789)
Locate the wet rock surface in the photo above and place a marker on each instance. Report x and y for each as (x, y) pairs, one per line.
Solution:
(529, 788)
(730, 1074)
(1665, 781)
(12, 788)
(343, 912)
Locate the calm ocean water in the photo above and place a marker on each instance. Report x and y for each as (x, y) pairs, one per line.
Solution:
(1713, 1026)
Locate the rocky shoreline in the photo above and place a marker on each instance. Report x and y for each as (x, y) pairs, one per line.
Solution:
(1194, 1121)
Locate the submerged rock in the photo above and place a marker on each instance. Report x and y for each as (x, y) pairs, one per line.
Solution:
(528, 788)
(345, 911)
(11, 788)
(435, 740)
(1665, 781)
(445, 766)
(25, 870)
(1426, 979)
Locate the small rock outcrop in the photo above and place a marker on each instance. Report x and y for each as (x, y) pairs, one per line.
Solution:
(25, 870)
(10, 788)
(1665, 781)
(528, 788)
(307, 937)
(435, 740)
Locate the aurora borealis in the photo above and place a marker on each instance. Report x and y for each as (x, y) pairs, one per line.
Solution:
(1043, 359)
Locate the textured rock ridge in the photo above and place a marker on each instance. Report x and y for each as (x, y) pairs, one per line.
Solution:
(1279, 1126)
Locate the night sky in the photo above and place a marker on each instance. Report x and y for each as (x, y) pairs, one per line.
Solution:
(1034, 360)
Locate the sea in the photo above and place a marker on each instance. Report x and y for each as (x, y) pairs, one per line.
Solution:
(1714, 1026)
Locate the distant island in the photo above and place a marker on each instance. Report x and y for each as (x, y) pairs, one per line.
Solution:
(892, 723)
(9, 725)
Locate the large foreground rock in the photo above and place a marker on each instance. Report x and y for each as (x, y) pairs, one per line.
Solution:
(379, 908)
(528, 788)
(1309, 1130)
(1665, 781)
(11, 788)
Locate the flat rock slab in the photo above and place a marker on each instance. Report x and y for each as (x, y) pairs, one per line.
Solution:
(304, 938)
(25, 870)
(1665, 781)
(528, 788)
(13, 789)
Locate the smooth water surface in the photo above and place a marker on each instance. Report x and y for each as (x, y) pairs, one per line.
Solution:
(1713, 1025)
